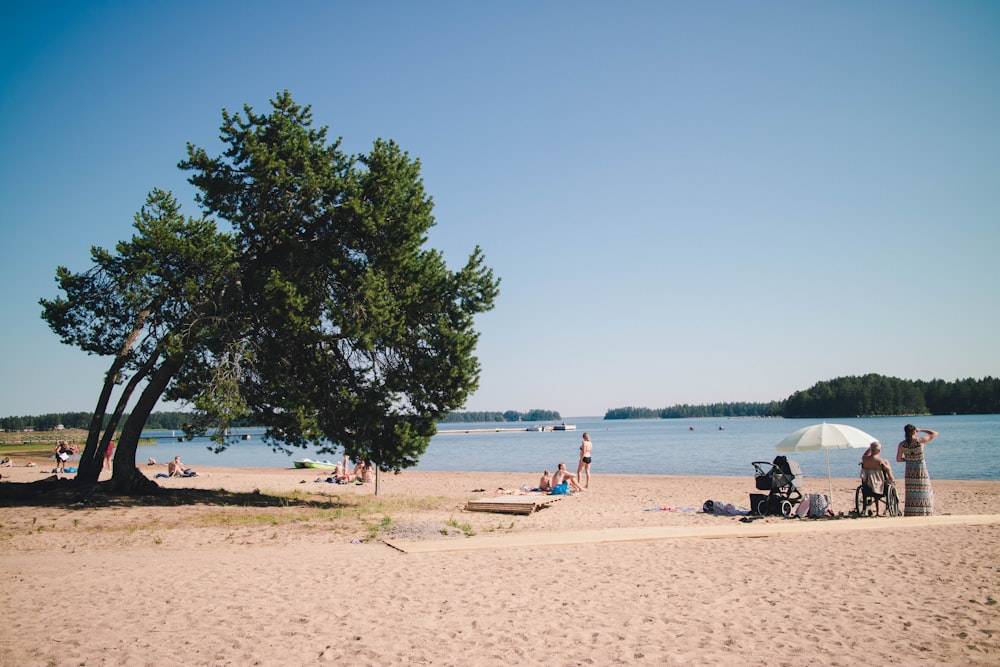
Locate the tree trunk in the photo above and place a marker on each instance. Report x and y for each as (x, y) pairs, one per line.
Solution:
(92, 458)
(126, 477)
(91, 461)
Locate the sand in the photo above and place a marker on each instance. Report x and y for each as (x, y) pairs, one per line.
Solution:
(625, 573)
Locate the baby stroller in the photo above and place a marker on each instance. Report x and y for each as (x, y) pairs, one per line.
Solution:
(780, 479)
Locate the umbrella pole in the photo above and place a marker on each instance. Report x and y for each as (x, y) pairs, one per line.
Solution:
(829, 479)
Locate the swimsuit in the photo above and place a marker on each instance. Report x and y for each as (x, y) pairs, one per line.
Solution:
(586, 459)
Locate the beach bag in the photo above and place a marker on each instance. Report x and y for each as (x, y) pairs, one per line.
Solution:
(819, 505)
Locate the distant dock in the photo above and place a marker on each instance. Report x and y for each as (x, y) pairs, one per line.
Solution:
(500, 429)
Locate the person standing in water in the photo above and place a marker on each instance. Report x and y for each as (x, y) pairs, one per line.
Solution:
(583, 468)
(919, 494)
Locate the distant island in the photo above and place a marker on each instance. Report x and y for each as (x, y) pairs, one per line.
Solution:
(869, 395)
(508, 416)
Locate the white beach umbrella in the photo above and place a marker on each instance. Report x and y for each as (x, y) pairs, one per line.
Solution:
(826, 437)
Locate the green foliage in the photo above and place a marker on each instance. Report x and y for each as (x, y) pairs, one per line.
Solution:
(877, 395)
(681, 411)
(151, 305)
(507, 416)
(738, 409)
(355, 333)
(631, 412)
(176, 421)
(870, 395)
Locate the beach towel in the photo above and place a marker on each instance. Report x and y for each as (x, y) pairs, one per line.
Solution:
(561, 489)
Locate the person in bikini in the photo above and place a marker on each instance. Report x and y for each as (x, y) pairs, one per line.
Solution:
(583, 468)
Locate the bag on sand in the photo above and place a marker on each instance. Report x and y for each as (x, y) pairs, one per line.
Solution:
(819, 506)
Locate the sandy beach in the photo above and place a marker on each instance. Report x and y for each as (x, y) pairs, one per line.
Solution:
(281, 569)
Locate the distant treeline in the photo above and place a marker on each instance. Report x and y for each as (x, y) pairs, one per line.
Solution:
(508, 416)
(162, 420)
(876, 396)
(685, 410)
(176, 421)
(869, 395)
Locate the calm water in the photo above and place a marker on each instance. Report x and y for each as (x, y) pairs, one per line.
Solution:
(968, 447)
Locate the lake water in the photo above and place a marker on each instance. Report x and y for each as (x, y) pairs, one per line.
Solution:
(967, 447)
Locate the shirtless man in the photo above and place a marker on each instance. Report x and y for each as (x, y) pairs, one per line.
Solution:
(563, 475)
(872, 460)
(175, 468)
(876, 473)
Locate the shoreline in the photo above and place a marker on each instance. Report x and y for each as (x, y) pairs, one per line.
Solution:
(580, 579)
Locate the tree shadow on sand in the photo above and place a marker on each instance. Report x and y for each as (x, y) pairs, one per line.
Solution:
(68, 494)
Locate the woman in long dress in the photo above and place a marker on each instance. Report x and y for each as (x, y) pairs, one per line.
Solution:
(919, 494)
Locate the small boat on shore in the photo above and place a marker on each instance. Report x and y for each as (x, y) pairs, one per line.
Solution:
(309, 463)
(564, 427)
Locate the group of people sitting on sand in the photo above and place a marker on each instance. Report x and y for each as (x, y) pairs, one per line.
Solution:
(561, 483)
(363, 472)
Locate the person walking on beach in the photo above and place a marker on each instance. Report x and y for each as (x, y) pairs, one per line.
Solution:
(62, 455)
(108, 455)
(919, 494)
(583, 468)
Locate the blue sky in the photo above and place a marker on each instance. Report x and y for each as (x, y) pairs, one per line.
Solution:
(687, 202)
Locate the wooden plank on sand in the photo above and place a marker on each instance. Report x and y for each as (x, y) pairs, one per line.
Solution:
(510, 504)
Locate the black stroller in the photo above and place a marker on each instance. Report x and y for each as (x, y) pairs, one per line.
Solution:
(781, 481)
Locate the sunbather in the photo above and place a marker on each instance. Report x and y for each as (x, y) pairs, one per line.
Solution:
(545, 484)
(564, 476)
(176, 469)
